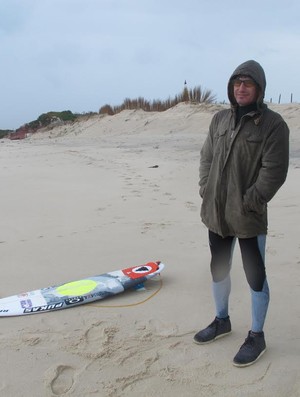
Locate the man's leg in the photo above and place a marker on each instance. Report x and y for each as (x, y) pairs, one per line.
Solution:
(253, 255)
(221, 258)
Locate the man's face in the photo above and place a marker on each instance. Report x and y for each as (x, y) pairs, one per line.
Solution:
(245, 90)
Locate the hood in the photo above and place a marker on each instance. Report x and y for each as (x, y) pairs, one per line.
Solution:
(254, 70)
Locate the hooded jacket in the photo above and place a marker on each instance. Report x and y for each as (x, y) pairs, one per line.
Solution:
(243, 165)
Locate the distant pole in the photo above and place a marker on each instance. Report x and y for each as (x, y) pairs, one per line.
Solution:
(185, 95)
(279, 99)
(291, 98)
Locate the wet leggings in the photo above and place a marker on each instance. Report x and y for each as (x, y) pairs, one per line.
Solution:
(253, 256)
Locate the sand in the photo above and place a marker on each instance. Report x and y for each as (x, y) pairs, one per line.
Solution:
(116, 191)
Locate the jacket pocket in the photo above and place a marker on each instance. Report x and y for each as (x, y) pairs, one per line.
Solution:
(220, 140)
(253, 208)
(253, 138)
(221, 133)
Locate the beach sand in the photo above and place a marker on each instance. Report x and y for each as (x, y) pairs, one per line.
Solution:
(116, 191)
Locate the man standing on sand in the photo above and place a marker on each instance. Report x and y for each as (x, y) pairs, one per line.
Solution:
(244, 161)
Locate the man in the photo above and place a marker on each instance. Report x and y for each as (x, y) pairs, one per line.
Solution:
(244, 161)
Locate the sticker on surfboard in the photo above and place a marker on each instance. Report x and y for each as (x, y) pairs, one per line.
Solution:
(78, 292)
(144, 270)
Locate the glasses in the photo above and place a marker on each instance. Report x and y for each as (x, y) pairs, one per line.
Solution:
(249, 83)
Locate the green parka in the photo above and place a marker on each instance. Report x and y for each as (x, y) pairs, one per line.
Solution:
(242, 166)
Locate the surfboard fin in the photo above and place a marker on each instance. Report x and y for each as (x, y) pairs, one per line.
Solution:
(139, 287)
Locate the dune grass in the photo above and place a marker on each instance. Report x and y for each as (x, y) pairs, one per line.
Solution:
(195, 95)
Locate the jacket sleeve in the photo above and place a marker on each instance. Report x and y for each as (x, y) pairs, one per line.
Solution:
(206, 156)
(273, 171)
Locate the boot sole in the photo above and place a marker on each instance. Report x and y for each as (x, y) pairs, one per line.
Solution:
(212, 340)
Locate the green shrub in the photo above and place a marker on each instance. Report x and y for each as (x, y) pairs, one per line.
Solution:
(5, 133)
(48, 118)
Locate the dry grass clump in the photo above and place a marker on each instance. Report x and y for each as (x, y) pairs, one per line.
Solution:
(195, 95)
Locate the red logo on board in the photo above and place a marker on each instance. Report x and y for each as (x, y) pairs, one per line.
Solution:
(141, 271)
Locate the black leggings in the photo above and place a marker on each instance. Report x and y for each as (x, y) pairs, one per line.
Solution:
(221, 258)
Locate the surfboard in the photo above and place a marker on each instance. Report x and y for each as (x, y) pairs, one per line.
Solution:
(78, 292)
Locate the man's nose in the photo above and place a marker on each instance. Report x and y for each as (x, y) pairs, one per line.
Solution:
(242, 86)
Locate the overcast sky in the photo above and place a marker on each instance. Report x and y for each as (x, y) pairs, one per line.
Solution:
(79, 55)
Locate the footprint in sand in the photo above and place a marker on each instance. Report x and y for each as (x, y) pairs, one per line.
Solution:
(96, 341)
(99, 334)
(61, 379)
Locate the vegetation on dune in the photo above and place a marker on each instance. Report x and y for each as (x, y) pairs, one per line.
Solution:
(4, 133)
(46, 119)
(49, 119)
(195, 95)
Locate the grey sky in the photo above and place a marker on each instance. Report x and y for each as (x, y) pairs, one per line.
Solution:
(81, 54)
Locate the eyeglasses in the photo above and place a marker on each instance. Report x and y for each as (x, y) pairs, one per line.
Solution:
(249, 83)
